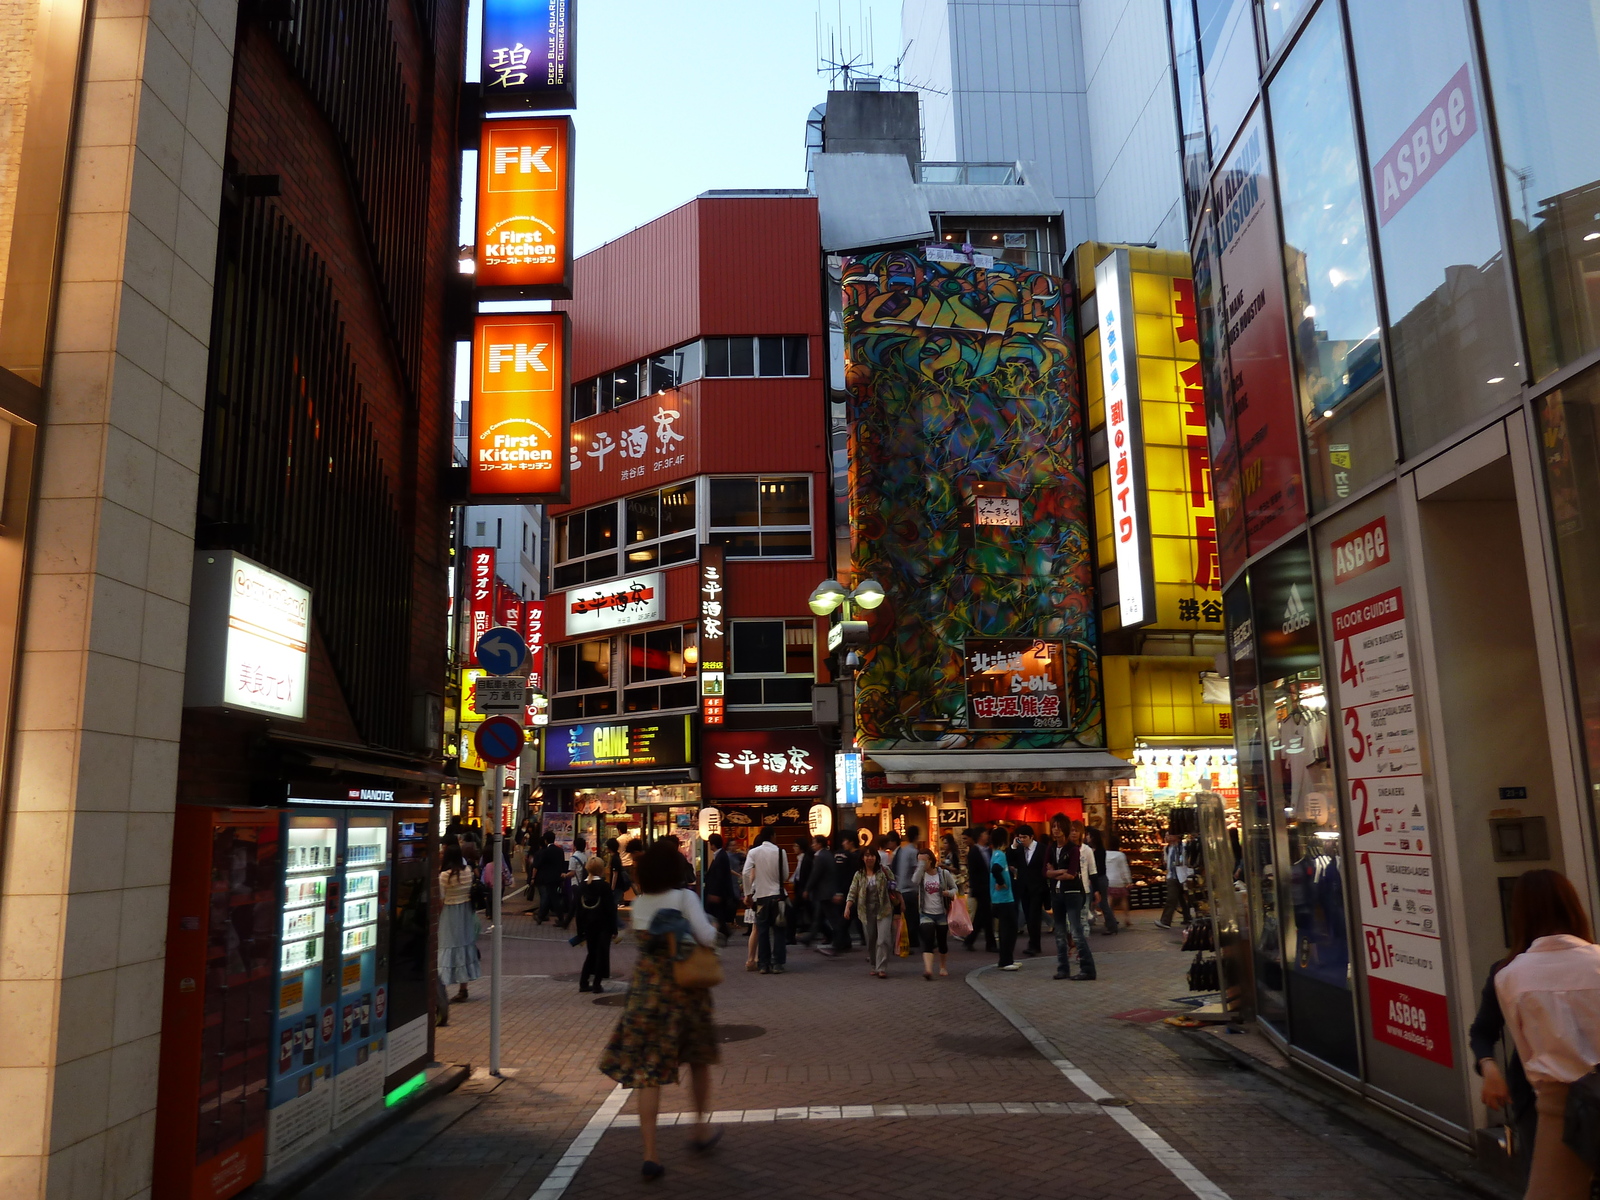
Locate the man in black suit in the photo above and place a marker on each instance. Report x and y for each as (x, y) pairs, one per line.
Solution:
(719, 898)
(978, 886)
(1032, 887)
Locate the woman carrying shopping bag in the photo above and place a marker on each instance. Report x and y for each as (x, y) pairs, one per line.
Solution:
(935, 890)
(871, 897)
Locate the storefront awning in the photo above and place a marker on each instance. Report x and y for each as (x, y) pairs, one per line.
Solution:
(1000, 766)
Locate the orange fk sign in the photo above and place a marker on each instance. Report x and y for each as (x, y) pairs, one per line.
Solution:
(525, 208)
(518, 435)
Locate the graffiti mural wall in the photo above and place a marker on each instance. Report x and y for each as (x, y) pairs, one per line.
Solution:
(961, 375)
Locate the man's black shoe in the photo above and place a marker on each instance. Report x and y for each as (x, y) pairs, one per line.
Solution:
(1061, 975)
(1083, 977)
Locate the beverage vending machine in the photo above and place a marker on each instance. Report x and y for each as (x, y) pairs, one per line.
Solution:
(363, 965)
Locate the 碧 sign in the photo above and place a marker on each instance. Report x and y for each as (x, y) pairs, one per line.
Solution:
(636, 600)
(249, 633)
(519, 408)
(1015, 683)
(744, 763)
(525, 209)
(527, 55)
(1130, 520)
(657, 742)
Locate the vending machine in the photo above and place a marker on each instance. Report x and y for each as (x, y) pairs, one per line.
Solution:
(364, 965)
(303, 1036)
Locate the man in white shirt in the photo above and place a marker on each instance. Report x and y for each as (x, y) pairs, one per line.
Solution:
(764, 871)
(1177, 875)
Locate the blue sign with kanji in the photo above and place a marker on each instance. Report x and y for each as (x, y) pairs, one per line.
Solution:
(502, 651)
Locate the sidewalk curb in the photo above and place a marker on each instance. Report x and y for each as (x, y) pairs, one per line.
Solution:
(445, 1080)
(1419, 1143)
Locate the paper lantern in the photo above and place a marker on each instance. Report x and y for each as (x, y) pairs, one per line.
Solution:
(821, 820)
(710, 822)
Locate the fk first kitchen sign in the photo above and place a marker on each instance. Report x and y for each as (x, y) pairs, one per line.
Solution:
(519, 409)
(525, 209)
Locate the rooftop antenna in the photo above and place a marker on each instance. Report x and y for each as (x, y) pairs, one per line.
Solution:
(845, 58)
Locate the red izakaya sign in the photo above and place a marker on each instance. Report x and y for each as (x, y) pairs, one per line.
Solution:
(749, 764)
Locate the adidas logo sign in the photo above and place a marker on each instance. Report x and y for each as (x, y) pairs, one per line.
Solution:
(1296, 616)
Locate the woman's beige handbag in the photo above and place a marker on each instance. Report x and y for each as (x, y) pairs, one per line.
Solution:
(696, 971)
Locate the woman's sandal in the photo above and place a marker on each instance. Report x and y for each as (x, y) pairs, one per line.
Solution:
(701, 1145)
(652, 1170)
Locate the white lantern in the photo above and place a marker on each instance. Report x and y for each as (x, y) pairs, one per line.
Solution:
(821, 820)
(710, 822)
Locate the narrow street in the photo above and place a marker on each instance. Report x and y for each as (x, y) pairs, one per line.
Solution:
(844, 1085)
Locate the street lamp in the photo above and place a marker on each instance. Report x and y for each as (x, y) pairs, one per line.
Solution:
(830, 594)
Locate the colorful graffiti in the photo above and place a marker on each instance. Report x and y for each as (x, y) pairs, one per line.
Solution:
(957, 375)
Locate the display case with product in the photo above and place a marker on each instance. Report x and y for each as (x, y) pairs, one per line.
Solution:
(301, 1098)
(411, 966)
(362, 1002)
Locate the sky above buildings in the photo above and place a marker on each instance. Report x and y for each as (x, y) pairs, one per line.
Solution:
(677, 98)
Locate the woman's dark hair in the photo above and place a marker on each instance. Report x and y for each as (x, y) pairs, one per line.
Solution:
(611, 845)
(450, 860)
(635, 846)
(1543, 903)
(1113, 842)
(660, 868)
(877, 863)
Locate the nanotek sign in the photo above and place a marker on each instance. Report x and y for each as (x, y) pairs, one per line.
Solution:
(525, 208)
(519, 407)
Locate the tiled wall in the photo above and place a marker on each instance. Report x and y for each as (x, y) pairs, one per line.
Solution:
(83, 881)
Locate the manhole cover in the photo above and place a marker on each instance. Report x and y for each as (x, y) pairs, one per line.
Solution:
(616, 1001)
(1002, 1045)
(739, 1033)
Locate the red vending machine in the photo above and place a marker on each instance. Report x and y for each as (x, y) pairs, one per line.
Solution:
(218, 1009)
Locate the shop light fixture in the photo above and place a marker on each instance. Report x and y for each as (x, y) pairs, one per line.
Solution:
(1498, 379)
(1589, 237)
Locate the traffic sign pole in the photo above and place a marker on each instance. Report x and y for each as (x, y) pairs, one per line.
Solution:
(497, 888)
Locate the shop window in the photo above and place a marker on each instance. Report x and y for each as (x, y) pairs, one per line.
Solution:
(761, 516)
(751, 357)
(772, 663)
(1544, 69)
(1452, 335)
(631, 381)
(1332, 307)
(583, 666)
(1191, 109)
(1229, 65)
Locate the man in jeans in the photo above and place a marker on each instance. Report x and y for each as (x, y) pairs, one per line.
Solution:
(1177, 876)
(764, 869)
(1068, 869)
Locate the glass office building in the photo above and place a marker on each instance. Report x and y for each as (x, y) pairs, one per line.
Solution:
(1394, 213)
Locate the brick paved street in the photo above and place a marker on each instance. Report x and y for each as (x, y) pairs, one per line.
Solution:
(839, 1084)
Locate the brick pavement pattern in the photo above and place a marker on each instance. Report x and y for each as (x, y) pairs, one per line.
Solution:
(893, 1089)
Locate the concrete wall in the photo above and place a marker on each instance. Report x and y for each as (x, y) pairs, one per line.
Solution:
(83, 883)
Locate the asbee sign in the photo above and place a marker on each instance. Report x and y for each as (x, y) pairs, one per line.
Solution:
(519, 408)
(525, 209)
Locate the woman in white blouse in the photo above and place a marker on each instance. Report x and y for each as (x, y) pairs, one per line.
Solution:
(1549, 991)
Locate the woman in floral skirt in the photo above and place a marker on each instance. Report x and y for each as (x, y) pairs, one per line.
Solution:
(663, 1026)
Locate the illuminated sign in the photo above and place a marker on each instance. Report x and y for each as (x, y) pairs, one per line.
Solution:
(533, 635)
(480, 596)
(1015, 683)
(527, 54)
(635, 601)
(525, 209)
(249, 633)
(1124, 439)
(713, 644)
(847, 780)
(739, 764)
(658, 742)
(519, 408)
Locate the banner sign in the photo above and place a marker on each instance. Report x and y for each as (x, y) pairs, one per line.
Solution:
(1395, 876)
(713, 644)
(633, 601)
(1130, 520)
(525, 209)
(1015, 683)
(744, 763)
(527, 55)
(510, 610)
(480, 596)
(656, 742)
(519, 408)
(1432, 139)
(533, 634)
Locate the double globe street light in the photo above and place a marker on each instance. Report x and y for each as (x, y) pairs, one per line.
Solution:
(829, 595)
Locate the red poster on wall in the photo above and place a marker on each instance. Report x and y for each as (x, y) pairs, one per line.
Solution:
(480, 597)
(1260, 377)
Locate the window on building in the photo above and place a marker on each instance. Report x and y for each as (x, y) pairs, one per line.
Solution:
(660, 672)
(658, 530)
(499, 531)
(1229, 66)
(583, 681)
(751, 357)
(586, 546)
(761, 516)
(481, 527)
(669, 369)
(771, 663)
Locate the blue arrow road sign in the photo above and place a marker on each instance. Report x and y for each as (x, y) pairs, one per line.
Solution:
(502, 651)
(499, 740)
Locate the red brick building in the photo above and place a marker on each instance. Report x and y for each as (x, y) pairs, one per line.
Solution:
(700, 419)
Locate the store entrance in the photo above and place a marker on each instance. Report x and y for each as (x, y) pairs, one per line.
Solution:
(1499, 791)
